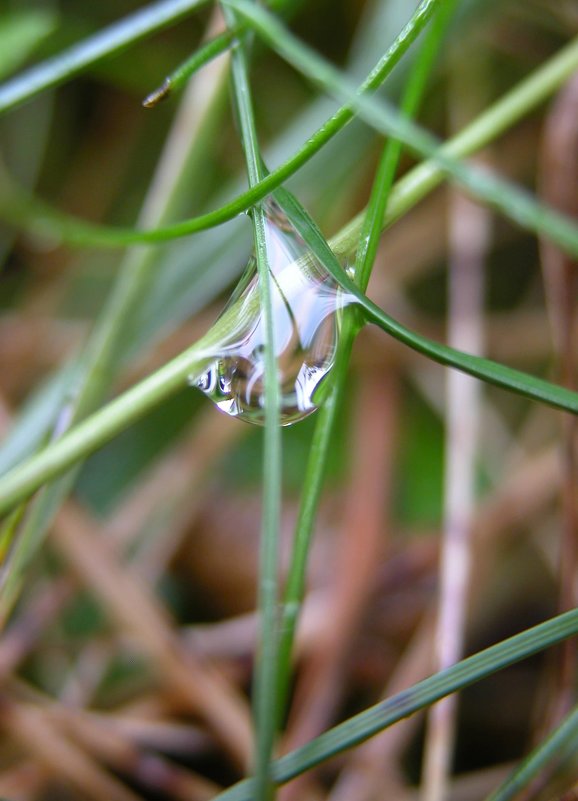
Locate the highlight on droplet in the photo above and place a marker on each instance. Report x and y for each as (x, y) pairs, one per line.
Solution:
(307, 304)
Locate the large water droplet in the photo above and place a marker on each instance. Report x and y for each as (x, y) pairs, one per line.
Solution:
(307, 304)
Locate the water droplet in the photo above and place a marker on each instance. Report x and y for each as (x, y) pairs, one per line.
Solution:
(307, 305)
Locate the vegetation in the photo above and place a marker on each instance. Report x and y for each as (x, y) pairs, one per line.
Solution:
(198, 608)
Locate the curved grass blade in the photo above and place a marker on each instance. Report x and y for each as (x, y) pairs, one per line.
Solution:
(176, 80)
(485, 369)
(200, 58)
(23, 211)
(17, 207)
(501, 195)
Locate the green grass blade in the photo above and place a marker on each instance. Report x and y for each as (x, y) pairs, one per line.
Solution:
(485, 369)
(500, 194)
(369, 239)
(20, 209)
(200, 58)
(295, 583)
(20, 34)
(558, 745)
(102, 426)
(179, 77)
(94, 370)
(17, 207)
(265, 680)
(354, 731)
(387, 167)
(104, 43)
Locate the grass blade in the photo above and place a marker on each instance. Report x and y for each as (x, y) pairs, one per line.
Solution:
(500, 194)
(369, 239)
(18, 207)
(485, 369)
(559, 744)
(295, 583)
(384, 177)
(98, 429)
(265, 679)
(178, 78)
(110, 40)
(379, 717)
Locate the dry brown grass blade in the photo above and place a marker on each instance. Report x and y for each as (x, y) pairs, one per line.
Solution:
(133, 608)
(22, 781)
(61, 757)
(559, 179)
(176, 486)
(151, 729)
(27, 627)
(469, 242)
(100, 737)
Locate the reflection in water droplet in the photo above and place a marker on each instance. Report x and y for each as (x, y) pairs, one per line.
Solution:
(306, 307)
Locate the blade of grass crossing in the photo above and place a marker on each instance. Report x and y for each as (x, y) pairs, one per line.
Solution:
(177, 79)
(500, 194)
(379, 717)
(266, 667)
(207, 52)
(295, 584)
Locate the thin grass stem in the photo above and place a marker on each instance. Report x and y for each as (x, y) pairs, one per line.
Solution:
(304, 526)
(387, 167)
(206, 53)
(265, 680)
(368, 244)
(179, 77)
